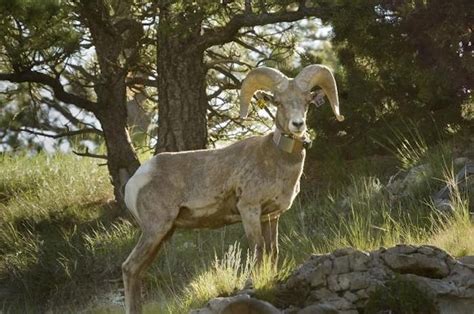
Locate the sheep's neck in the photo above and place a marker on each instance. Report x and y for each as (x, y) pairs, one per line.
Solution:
(289, 143)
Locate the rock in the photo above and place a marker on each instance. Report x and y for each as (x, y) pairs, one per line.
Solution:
(467, 260)
(462, 275)
(340, 303)
(351, 297)
(358, 261)
(322, 294)
(416, 263)
(398, 186)
(460, 161)
(291, 310)
(362, 294)
(353, 281)
(344, 251)
(443, 205)
(303, 274)
(404, 249)
(346, 280)
(333, 283)
(318, 277)
(379, 273)
(239, 304)
(250, 306)
(358, 280)
(319, 309)
(341, 265)
(449, 305)
(415, 175)
(448, 296)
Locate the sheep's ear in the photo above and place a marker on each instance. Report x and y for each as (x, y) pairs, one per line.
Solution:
(317, 98)
(263, 98)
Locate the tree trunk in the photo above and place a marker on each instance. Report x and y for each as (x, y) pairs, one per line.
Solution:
(182, 103)
(122, 162)
(109, 38)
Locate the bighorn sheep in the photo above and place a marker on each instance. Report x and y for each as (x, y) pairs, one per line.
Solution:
(253, 180)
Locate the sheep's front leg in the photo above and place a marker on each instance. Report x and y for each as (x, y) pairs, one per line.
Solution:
(270, 236)
(253, 230)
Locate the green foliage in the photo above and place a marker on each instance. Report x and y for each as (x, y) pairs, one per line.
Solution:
(38, 35)
(399, 59)
(36, 32)
(399, 296)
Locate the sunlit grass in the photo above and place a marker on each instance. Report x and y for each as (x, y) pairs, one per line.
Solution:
(407, 145)
(455, 232)
(224, 276)
(61, 242)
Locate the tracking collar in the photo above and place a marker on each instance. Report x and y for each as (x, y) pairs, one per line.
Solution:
(288, 143)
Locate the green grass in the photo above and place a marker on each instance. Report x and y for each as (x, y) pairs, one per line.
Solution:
(62, 241)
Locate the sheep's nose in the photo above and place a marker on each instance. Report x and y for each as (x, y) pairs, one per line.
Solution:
(297, 124)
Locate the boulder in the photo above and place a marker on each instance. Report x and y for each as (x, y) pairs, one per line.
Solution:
(347, 280)
(239, 304)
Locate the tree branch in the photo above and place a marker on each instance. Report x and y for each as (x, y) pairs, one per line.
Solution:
(58, 135)
(225, 34)
(141, 81)
(54, 83)
(235, 120)
(87, 154)
(227, 74)
(222, 88)
(67, 114)
(250, 47)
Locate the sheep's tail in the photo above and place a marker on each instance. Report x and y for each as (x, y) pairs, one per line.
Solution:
(133, 186)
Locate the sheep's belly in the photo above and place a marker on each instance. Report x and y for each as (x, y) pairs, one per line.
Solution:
(200, 218)
(220, 214)
(204, 213)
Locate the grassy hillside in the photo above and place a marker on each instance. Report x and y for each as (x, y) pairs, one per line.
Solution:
(62, 241)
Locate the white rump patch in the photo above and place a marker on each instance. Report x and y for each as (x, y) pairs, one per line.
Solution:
(139, 179)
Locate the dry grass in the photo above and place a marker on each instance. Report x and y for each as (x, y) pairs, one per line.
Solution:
(61, 243)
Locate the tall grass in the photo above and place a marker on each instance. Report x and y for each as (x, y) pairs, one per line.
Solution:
(47, 205)
(455, 230)
(407, 144)
(62, 243)
(222, 278)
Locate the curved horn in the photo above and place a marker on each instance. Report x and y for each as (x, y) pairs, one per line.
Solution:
(263, 78)
(321, 76)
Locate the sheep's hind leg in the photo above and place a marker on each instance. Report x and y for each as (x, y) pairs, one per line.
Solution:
(270, 236)
(140, 258)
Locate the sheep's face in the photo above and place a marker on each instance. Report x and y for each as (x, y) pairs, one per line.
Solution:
(292, 106)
